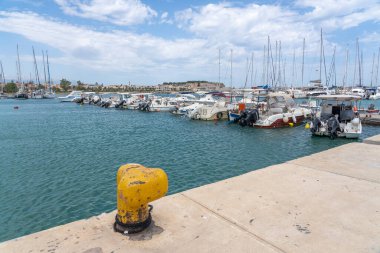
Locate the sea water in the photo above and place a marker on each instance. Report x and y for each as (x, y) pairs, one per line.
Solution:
(58, 161)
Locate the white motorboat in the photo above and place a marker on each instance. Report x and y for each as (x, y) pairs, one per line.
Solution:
(376, 95)
(184, 110)
(159, 104)
(275, 111)
(337, 117)
(296, 93)
(358, 92)
(215, 111)
(70, 98)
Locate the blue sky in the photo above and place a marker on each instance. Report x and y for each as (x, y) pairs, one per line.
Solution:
(150, 42)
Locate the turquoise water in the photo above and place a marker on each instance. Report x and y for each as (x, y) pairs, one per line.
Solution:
(58, 161)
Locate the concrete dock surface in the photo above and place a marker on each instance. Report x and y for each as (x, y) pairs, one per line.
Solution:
(325, 202)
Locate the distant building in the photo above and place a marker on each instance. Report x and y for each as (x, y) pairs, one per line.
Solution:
(189, 86)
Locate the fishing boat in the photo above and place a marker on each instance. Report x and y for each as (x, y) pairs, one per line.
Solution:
(275, 111)
(337, 117)
(70, 98)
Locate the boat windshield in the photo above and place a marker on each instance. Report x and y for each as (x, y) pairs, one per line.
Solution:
(277, 102)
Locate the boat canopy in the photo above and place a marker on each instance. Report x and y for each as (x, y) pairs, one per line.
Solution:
(338, 97)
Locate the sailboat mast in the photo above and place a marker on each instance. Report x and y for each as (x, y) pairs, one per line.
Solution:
(19, 70)
(303, 60)
(231, 69)
(294, 62)
(43, 61)
(356, 59)
(2, 77)
(267, 68)
(219, 67)
(320, 60)
(48, 71)
(252, 68)
(373, 64)
(264, 58)
(36, 69)
(377, 68)
(345, 69)
(360, 68)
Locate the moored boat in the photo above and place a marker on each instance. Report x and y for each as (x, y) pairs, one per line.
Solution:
(338, 117)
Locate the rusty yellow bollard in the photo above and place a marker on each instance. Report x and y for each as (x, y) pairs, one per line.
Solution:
(136, 187)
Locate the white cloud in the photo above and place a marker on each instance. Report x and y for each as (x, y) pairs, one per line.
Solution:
(119, 12)
(165, 18)
(246, 26)
(340, 14)
(118, 51)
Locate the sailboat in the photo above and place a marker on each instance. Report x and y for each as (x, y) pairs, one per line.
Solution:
(2, 95)
(49, 93)
(39, 92)
(21, 94)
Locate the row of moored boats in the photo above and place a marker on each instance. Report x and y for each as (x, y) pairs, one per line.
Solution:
(332, 115)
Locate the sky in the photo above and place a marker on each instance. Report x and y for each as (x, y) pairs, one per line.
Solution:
(151, 42)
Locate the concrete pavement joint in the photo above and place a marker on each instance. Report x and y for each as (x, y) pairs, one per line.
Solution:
(262, 240)
(327, 171)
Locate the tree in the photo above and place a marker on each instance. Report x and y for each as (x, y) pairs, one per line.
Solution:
(10, 88)
(65, 84)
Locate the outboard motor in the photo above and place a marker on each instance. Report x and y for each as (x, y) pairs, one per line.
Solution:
(252, 117)
(79, 100)
(120, 104)
(248, 117)
(316, 125)
(107, 104)
(333, 127)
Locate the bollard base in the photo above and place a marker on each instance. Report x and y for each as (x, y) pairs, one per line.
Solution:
(131, 228)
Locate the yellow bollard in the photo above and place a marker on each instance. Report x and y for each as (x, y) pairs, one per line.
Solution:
(136, 187)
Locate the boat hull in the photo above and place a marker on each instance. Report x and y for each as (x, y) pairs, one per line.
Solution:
(280, 123)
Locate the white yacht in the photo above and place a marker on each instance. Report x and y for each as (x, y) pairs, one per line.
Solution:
(358, 92)
(70, 98)
(376, 95)
(337, 117)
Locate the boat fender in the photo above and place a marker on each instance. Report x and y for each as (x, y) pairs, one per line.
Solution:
(219, 115)
(355, 121)
(197, 116)
(294, 118)
(285, 119)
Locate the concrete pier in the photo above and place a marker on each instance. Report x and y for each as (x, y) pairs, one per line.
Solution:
(325, 202)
